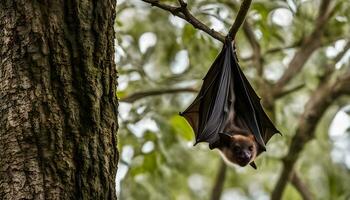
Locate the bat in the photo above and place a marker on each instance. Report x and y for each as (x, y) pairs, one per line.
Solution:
(227, 111)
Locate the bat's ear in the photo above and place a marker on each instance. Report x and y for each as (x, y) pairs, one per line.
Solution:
(253, 165)
(225, 136)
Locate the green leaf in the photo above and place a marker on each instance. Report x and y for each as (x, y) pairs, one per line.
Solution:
(150, 162)
(121, 94)
(188, 34)
(182, 127)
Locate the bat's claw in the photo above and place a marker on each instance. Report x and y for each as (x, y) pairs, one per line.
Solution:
(253, 165)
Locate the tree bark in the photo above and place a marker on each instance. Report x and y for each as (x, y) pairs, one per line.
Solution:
(58, 111)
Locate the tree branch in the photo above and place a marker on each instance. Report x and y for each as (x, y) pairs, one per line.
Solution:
(290, 46)
(272, 50)
(257, 59)
(182, 12)
(219, 181)
(243, 10)
(301, 187)
(320, 100)
(330, 67)
(308, 46)
(291, 90)
(279, 49)
(343, 52)
(139, 95)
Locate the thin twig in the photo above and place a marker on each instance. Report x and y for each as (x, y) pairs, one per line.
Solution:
(139, 95)
(243, 10)
(291, 46)
(182, 12)
(272, 50)
(279, 49)
(338, 57)
(172, 9)
(331, 66)
(291, 90)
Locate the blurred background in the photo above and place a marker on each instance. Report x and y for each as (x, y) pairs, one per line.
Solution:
(161, 60)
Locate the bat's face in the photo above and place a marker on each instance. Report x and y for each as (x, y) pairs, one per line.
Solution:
(239, 149)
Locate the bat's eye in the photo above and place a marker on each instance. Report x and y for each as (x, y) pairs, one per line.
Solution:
(250, 148)
(236, 148)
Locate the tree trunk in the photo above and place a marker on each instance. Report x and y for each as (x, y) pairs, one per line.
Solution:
(58, 110)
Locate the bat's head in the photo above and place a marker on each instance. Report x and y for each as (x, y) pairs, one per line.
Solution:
(239, 149)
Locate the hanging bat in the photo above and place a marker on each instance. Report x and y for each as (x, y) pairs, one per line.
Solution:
(227, 112)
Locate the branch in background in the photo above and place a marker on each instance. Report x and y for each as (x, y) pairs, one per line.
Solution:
(273, 50)
(320, 100)
(219, 181)
(279, 49)
(331, 67)
(224, 21)
(257, 59)
(139, 95)
(343, 52)
(291, 46)
(308, 46)
(182, 12)
(289, 91)
(243, 10)
(301, 187)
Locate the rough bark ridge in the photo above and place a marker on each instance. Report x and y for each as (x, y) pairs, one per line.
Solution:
(58, 112)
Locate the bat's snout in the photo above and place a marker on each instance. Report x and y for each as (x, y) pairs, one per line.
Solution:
(244, 157)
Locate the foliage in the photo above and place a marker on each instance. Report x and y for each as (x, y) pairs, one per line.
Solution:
(157, 51)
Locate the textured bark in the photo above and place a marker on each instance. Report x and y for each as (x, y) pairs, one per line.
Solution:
(58, 112)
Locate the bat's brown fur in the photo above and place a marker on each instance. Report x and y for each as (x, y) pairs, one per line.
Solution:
(237, 143)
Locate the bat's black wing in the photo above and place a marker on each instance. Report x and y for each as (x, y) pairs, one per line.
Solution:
(249, 109)
(208, 112)
(226, 91)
